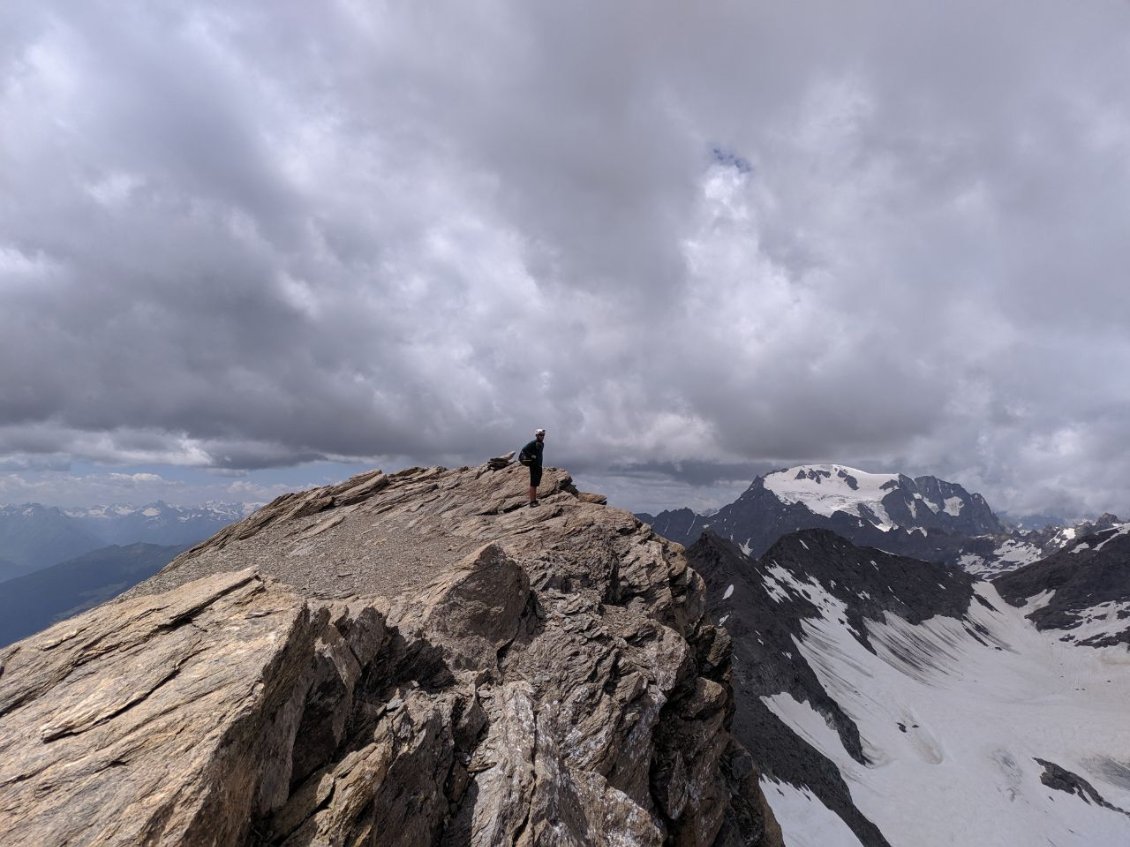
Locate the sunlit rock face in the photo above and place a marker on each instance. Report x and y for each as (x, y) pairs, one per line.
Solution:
(405, 659)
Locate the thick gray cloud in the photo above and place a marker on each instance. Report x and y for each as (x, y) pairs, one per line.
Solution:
(693, 242)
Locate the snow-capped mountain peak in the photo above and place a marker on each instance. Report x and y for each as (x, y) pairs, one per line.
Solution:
(221, 511)
(34, 536)
(827, 489)
(921, 517)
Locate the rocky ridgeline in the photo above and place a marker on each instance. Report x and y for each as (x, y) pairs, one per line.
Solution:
(403, 659)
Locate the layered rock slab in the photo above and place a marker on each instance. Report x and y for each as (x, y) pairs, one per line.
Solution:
(132, 724)
(402, 659)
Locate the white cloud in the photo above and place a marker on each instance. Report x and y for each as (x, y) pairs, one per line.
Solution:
(135, 478)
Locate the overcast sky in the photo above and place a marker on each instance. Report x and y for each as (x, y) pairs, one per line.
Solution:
(250, 246)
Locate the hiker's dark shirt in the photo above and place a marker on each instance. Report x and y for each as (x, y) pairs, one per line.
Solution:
(534, 449)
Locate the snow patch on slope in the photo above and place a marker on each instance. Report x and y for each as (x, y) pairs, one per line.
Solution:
(1123, 529)
(1085, 546)
(953, 506)
(1010, 555)
(1014, 553)
(827, 489)
(953, 714)
(1098, 622)
(822, 826)
(777, 582)
(1037, 602)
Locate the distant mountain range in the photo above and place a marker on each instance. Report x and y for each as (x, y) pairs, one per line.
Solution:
(158, 523)
(34, 601)
(56, 563)
(33, 536)
(864, 697)
(925, 518)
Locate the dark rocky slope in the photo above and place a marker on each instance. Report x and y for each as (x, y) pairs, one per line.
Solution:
(1090, 579)
(764, 604)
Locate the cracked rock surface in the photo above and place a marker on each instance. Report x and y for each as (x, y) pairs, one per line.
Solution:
(403, 659)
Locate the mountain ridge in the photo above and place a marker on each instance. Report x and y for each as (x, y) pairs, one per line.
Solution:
(867, 684)
(420, 658)
(1083, 589)
(34, 536)
(923, 517)
(410, 658)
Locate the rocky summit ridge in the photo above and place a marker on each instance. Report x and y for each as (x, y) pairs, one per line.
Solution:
(402, 659)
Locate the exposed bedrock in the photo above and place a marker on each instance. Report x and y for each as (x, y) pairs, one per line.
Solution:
(403, 659)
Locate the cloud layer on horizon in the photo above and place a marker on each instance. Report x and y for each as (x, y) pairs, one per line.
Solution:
(692, 243)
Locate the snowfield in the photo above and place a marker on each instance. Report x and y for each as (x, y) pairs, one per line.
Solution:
(953, 716)
(833, 494)
(1012, 554)
(822, 828)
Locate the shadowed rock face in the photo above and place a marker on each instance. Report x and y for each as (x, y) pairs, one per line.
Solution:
(401, 659)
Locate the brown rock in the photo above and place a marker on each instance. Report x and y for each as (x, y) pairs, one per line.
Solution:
(409, 659)
(500, 462)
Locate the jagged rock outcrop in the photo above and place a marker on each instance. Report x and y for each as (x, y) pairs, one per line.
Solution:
(402, 659)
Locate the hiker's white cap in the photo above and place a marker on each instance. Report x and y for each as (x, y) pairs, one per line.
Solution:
(538, 432)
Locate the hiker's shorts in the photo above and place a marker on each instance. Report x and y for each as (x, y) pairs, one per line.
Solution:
(535, 476)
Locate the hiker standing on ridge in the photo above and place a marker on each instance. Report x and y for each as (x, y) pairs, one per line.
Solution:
(531, 457)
